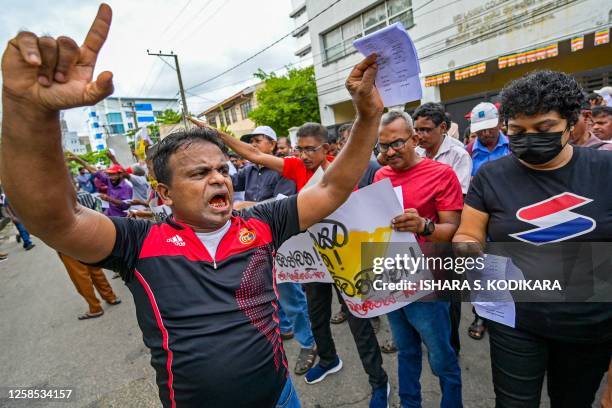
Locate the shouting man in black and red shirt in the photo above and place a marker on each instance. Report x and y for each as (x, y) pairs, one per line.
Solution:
(201, 281)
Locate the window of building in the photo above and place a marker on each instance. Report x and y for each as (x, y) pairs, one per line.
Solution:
(245, 109)
(338, 42)
(375, 18)
(130, 125)
(157, 113)
(129, 114)
(114, 117)
(228, 121)
(98, 135)
(212, 120)
(117, 129)
(233, 110)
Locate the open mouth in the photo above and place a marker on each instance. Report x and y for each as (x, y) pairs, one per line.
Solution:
(219, 202)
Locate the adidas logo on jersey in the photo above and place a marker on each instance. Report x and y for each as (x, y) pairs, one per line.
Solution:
(176, 240)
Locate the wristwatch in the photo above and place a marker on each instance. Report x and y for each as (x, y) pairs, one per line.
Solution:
(429, 228)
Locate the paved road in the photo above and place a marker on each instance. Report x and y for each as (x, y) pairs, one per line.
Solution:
(106, 364)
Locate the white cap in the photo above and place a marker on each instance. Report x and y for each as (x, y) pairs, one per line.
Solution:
(260, 130)
(606, 90)
(484, 116)
(606, 94)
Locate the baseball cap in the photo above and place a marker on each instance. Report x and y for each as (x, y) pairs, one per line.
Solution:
(260, 130)
(484, 116)
(606, 93)
(115, 168)
(606, 90)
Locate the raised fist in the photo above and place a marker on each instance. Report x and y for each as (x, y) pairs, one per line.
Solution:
(360, 85)
(50, 74)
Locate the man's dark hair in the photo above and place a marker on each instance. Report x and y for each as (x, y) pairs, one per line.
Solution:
(432, 111)
(601, 111)
(311, 129)
(81, 168)
(344, 128)
(151, 150)
(181, 140)
(593, 97)
(542, 92)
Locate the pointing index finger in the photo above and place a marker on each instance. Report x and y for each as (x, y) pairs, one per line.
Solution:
(96, 36)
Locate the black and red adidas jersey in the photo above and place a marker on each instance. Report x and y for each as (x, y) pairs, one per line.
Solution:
(211, 325)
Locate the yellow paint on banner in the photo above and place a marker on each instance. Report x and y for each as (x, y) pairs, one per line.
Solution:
(344, 259)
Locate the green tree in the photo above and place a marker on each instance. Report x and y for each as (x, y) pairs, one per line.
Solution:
(95, 157)
(169, 117)
(286, 101)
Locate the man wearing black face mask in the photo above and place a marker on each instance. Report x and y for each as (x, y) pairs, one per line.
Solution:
(546, 192)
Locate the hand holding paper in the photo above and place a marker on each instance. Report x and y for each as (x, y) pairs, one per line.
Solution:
(397, 78)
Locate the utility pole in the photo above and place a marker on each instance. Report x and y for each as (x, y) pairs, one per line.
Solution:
(133, 109)
(180, 81)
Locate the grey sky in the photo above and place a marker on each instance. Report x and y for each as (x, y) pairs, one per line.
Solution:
(208, 35)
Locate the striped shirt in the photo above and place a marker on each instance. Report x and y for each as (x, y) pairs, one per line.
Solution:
(87, 200)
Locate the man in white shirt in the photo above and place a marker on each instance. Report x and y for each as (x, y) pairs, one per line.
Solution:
(431, 125)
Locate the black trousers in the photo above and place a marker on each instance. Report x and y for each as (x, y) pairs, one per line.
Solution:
(319, 296)
(519, 361)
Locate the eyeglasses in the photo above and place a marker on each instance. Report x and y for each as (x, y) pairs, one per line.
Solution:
(395, 145)
(308, 150)
(423, 130)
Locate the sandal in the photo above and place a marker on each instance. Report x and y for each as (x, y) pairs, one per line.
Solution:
(89, 315)
(389, 347)
(477, 329)
(114, 302)
(305, 360)
(338, 318)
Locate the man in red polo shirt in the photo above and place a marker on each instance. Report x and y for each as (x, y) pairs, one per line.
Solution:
(432, 209)
(201, 280)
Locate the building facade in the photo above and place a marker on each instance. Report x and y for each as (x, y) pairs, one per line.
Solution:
(468, 49)
(301, 32)
(71, 140)
(117, 115)
(233, 112)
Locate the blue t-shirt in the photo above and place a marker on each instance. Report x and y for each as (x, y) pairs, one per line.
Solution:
(481, 155)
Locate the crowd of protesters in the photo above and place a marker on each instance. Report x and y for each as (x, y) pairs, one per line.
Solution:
(199, 262)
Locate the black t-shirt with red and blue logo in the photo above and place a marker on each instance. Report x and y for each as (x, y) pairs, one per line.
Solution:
(211, 325)
(544, 208)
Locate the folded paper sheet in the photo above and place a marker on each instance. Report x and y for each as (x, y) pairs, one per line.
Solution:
(397, 79)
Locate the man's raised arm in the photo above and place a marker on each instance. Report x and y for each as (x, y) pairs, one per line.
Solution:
(340, 179)
(41, 76)
(246, 150)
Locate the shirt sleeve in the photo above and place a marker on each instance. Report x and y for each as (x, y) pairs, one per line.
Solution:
(280, 215)
(130, 235)
(291, 168)
(125, 193)
(463, 169)
(239, 179)
(449, 197)
(475, 196)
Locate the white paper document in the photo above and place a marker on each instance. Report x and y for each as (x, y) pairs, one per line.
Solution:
(397, 79)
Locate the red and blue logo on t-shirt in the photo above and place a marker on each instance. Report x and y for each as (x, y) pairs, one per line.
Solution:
(554, 220)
